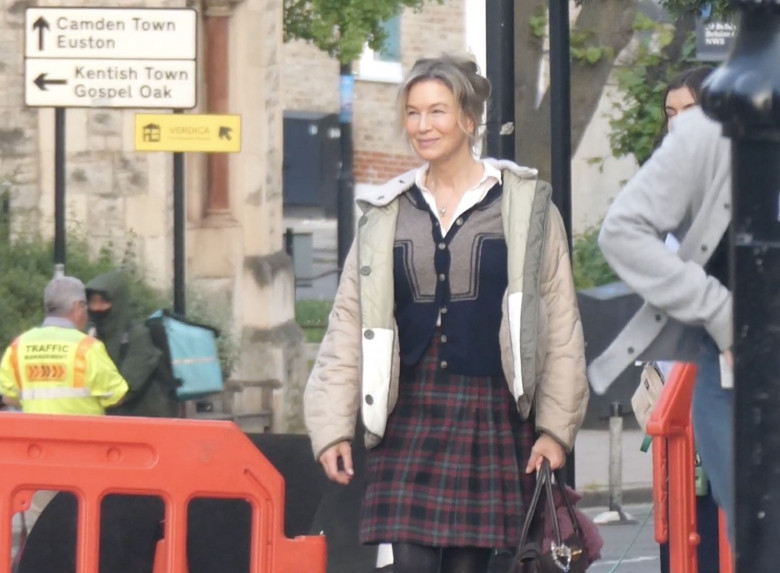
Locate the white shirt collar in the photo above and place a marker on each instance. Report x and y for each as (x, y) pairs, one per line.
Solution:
(490, 176)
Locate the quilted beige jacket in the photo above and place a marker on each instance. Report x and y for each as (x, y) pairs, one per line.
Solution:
(542, 345)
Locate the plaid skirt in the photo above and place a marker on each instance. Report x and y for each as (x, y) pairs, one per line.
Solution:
(450, 470)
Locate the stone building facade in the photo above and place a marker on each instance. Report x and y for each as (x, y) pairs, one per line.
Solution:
(122, 199)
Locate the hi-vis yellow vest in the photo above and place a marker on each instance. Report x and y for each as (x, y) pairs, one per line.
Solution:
(54, 370)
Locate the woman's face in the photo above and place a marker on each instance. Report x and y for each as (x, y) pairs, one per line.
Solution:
(677, 101)
(431, 122)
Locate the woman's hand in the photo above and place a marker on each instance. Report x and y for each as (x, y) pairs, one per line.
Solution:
(330, 462)
(546, 447)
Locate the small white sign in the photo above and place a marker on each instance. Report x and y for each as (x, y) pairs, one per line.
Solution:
(110, 83)
(133, 33)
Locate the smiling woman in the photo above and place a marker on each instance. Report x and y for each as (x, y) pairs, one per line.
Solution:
(458, 412)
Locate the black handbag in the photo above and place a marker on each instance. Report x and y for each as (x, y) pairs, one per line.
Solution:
(564, 555)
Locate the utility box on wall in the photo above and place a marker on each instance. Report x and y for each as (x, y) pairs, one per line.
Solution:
(312, 155)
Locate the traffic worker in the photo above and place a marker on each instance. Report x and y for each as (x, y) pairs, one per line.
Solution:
(57, 369)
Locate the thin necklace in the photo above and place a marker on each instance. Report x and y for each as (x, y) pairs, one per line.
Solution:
(443, 210)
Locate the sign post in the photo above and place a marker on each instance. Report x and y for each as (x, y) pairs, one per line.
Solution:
(112, 58)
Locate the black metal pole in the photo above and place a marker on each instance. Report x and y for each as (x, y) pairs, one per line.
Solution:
(560, 131)
(346, 179)
(500, 45)
(560, 109)
(740, 95)
(59, 188)
(179, 303)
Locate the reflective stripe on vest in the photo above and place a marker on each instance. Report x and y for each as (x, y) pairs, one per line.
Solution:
(80, 364)
(53, 393)
(15, 362)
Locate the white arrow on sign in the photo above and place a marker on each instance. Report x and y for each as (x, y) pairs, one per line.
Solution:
(110, 83)
(133, 33)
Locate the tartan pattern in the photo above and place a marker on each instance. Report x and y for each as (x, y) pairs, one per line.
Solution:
(449, 470)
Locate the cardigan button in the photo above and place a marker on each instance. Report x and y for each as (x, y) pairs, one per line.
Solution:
(443, 310)
(442, 277)
(704, 248)
(369, 399)
(630, 349)
(444, 338)
(442, 246)
(443, 364)
(365, 271)
(368, 334)
(459, 221)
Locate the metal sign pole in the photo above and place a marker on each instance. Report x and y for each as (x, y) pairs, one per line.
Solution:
(500, 34)
(179, 302)
(59, 188)
(560, 130)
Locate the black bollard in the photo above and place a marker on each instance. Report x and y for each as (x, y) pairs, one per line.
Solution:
(745, 96)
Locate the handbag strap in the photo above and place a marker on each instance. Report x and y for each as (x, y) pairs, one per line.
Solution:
(551, 501)
(567, 502)
(529, 514)
(543, 484)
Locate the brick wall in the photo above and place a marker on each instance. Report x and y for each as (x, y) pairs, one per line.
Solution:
(311, 83)
(376, 167)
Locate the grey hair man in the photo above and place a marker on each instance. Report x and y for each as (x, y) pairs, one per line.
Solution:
(66, 297)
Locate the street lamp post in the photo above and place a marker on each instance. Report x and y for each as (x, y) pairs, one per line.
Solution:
(745, 96)
(346, 180)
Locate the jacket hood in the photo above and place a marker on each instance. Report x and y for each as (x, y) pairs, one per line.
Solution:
(114, 287)
(384, 194)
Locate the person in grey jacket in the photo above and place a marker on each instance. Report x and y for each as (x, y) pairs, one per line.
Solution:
(455, 333)
(683, 189)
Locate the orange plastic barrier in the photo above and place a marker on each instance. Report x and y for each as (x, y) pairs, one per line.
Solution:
(178, 460)
(673, 459)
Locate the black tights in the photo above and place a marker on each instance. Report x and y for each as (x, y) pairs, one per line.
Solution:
(410, 558)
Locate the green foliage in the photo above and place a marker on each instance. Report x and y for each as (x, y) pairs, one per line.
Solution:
(26, 266)
(312, 316)
(341, 27)
(585, 48)
(639, 118)
(538, 23)
(590, 268)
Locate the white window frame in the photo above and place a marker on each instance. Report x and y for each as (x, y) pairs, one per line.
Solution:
(372, 69)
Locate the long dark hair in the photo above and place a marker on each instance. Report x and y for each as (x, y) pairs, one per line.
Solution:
(693, 79)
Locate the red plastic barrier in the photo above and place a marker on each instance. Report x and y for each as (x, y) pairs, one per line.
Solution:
(674, 458)
(177, 460)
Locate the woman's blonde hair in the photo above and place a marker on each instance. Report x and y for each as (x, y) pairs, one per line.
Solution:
(461, 75)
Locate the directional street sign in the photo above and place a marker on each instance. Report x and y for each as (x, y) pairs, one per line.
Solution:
(188, 132)
(111, 57)
(110, 83)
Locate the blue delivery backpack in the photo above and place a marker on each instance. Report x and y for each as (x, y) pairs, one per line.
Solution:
(190, 349)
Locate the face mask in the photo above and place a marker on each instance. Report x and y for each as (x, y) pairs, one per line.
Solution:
(99, 317)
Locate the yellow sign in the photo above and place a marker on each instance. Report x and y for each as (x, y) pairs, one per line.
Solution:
(188, 132)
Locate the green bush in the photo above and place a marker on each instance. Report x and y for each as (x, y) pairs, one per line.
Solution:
(590, 267)
(26, 266)
(312, 316)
